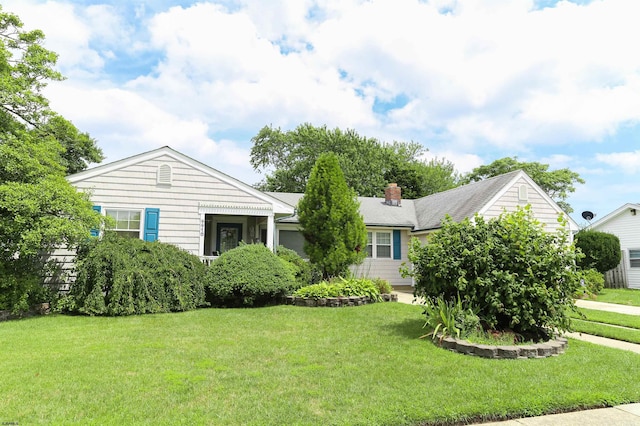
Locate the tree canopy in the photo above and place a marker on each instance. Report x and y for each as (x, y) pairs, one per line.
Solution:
(558, 184)
(368, 165)
(333, 229)
(39, 209)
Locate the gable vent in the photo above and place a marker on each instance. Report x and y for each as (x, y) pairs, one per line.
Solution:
(164, 174)
(523, 193)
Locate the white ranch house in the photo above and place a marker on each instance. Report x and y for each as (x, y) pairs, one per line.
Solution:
(165, 195)
(624, 223)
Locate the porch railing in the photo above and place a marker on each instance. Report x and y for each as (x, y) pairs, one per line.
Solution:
(207, 260)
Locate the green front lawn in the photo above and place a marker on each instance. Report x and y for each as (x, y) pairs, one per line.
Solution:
(602, 323)
(623, 320)
(622, 296)
(284, 365)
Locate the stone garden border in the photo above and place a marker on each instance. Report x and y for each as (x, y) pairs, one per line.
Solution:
(536, 350)
(336, 302)
(39, 309)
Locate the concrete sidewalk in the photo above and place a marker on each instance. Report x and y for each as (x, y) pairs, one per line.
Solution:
(622, 415)
(609, 307)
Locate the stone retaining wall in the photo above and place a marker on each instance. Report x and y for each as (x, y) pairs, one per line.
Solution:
(39, 309)
(536, 350)
(336, 302)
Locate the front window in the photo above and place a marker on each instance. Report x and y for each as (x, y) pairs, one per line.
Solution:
(634, 258)
(383, 244)
(127, 222)
(379, 244)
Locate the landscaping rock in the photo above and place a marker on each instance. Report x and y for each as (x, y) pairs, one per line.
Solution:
(544, 350)
(507, 352)
(486, 351)
(528, 351)
(465, 347)
(448, 343)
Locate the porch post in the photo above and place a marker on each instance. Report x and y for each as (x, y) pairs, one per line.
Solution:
(270, 229)
(202, 226)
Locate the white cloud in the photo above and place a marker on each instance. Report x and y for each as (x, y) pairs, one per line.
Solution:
(476, 74)
(629, 162)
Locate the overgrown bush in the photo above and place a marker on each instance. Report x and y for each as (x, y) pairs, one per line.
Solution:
(341, 287)
(248, 275)
(592, 282)
(127, 276)
(300, 268)
(508, 270)
(601, 250)
(383, 285)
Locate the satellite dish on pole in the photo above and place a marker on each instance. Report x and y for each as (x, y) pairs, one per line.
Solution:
(587, 215)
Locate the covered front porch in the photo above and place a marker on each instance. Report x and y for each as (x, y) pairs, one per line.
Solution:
(223, 227)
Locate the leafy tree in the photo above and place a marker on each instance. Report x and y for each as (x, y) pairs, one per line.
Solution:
(333, 229)
(601, 250)
(558, 184)
(508, 271)
(25, 69)
(39, 209)
(368, 164)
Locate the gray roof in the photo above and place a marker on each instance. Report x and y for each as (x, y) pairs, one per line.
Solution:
(374, 211)
(424, 213)
(459, 203)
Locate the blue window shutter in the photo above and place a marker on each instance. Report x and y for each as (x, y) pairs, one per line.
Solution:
(151, 222)
(96, 232)
(397, 245)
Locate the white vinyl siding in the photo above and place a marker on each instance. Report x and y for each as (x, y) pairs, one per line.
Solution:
(386, 268)
(626, 226)
(136, 187)
(513, 197)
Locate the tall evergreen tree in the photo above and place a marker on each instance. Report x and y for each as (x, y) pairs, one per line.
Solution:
(333, 229)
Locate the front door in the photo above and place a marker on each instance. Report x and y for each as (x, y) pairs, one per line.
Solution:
(228, 236)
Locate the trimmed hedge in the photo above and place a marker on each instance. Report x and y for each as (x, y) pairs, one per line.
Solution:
(249, 275)
(300, 268)
(601, 250)
(127, 276)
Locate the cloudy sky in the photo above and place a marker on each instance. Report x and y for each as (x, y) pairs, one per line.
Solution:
(471, 80)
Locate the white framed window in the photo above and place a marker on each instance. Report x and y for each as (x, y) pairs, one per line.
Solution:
(634, 258)
(127, 222)
(379, 244)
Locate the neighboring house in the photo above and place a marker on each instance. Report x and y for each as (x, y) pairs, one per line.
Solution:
(625, 224)
(165, 195)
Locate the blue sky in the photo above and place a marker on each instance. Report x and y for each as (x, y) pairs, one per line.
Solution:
(471, 80)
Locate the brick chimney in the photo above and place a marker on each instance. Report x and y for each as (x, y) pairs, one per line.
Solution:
(392, 195)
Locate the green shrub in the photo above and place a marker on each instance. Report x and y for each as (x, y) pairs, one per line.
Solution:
(127, 276)
(383, 285)
(592, 281)
(300, 268)
(508, 270)
(341, 287)
(449, 318)
(601, 250)
(318, 291)
(20, 286)
(248, 275)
